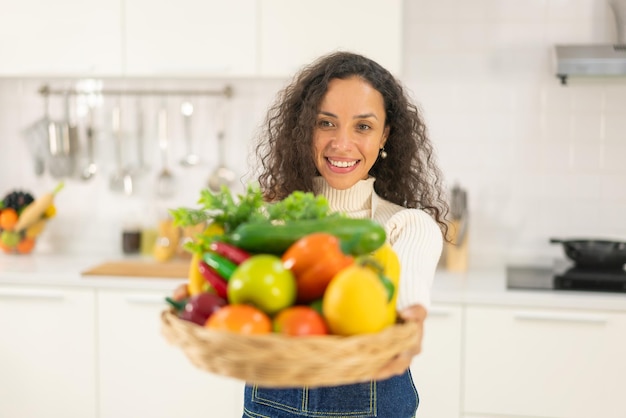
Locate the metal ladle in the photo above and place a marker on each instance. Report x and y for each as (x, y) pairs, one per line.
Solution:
(142, 167)
(90, 169)
(36, 136)
(63, 144)
(165, 179)
(222, 175)
(191, 159)
(121, 179)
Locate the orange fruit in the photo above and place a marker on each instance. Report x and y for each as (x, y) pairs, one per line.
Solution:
(8, 218)
(299, 321)
(25, 246)
(242, 319)
(5, 248)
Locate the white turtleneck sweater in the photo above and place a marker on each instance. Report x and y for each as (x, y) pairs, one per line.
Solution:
(413, 234)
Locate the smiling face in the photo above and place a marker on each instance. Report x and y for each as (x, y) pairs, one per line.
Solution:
(349, 131)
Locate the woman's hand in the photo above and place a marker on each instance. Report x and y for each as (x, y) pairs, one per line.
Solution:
(401, 362)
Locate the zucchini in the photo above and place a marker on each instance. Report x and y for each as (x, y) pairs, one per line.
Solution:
(357, 236)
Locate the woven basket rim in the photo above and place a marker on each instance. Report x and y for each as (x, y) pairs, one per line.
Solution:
(278, 360)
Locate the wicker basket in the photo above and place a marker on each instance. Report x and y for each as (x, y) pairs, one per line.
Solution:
(276, 360)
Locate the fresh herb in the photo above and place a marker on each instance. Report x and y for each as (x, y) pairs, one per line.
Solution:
(188, 216)
(299, 206)
(229, 212)
(222, 208)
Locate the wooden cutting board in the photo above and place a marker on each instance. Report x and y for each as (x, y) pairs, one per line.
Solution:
(140, 268)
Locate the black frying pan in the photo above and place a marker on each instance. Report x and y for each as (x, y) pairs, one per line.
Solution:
(588, 253)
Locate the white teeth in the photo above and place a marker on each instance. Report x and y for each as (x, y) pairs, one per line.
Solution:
(342, 164)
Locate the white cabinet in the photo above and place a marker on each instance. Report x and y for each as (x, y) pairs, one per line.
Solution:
(544, 363)
(56, 38)
(141, 375)
(293, 33)
(190, 38)
(77, 352)
(437, 369)
(47, 352)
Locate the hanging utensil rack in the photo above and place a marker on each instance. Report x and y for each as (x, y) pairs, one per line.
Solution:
(46, 90)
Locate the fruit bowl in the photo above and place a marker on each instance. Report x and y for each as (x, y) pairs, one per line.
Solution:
(16, 235)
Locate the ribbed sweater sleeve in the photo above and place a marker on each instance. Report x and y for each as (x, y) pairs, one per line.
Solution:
(418, 241)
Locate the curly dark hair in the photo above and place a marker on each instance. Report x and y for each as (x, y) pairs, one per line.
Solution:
(409, 176)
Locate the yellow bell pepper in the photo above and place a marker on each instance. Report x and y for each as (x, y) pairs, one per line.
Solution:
(388, 258)
(196, 282)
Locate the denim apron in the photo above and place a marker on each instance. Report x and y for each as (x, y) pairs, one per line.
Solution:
(395, 397)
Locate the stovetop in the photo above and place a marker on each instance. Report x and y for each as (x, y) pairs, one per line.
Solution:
(565, 276)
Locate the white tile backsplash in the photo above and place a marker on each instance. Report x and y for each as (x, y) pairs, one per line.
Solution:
(615, 127)
(614, 160)
(538, 159)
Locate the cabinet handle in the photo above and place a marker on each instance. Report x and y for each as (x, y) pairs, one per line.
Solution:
(561, 317)
(146, 299)
(32, 294)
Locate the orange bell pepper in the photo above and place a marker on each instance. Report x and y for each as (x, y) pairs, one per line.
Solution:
(314, 260)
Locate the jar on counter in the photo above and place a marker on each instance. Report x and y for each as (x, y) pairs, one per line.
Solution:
(131, 240)
(149, 228)
(149, 236)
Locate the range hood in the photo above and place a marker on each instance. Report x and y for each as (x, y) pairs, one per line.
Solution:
(595, 59)
(590, 60)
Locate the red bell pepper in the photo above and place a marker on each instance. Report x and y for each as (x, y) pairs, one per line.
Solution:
(232, 253)
(214, 279)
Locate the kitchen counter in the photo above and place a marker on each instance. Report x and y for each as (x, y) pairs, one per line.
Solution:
(58, 270)
(487, 286)
(484, 285)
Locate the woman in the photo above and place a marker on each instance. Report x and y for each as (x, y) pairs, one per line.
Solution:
(345, 129)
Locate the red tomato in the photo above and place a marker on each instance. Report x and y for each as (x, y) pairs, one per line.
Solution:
(315, 259)
(300, 321)
(8, 218)
(242, 319)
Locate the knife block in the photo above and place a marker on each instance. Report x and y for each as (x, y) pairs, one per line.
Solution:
(456, 253)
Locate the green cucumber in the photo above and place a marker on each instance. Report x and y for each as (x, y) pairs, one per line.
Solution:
(357, 236)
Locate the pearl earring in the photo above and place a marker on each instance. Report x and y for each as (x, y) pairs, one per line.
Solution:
(383, 153)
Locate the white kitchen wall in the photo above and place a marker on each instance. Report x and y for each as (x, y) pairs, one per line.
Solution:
(538, 159)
